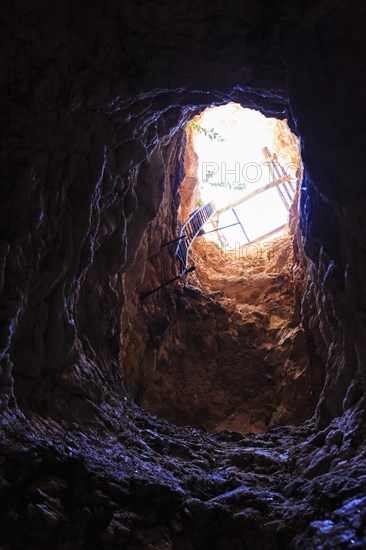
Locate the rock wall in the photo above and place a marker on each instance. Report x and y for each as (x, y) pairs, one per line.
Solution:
(332, 200)
(93, 102)
(224, 348)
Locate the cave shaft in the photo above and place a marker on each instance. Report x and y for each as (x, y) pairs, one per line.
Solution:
(94, 104)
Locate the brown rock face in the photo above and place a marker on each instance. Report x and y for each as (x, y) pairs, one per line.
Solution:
(228, 350)
(228, 354)
(94, 101)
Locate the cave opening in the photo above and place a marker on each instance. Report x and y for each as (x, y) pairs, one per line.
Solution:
(250, 167)
(224, 347)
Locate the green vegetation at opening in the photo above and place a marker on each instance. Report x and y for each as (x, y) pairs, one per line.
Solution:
(211, 134)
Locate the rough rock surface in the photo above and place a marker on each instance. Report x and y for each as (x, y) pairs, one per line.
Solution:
(226, 350)
(94, 99)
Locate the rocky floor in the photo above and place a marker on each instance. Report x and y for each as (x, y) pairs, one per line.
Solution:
(132, 481)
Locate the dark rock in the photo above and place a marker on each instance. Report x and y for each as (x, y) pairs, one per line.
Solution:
(94, 102)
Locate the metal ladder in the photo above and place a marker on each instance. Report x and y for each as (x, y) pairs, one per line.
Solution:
(189, 232)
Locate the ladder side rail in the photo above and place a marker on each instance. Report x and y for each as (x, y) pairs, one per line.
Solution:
(191, 228)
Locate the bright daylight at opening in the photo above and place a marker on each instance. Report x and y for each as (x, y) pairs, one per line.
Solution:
(250, 167)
